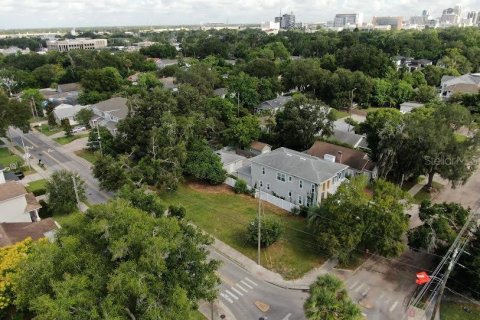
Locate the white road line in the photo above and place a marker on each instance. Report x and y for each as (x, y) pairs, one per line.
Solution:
(359, 287)
(353, 284)
(393, 306)
(238, 292)
(365, 292)
(231, 295)
(364, 314)
(251, 281)
(287, 316)
(243, 289)
(246, 284)
(226, 297)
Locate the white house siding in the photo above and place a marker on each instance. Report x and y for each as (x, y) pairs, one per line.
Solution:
(13, 210)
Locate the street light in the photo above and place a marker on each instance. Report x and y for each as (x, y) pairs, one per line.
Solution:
(351, 107)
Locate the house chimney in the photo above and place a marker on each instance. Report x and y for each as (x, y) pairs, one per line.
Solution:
(340, 156)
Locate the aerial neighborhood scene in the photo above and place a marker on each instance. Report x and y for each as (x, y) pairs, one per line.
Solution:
(267, 160)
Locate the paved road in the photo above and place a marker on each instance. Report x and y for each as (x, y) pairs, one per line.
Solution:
(239, 289)
(55, 158)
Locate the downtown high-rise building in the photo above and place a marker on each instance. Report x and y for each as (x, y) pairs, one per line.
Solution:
(348, 20)
(287, 21)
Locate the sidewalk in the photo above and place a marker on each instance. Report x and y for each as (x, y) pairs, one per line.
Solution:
(270, 276)
(219, 309)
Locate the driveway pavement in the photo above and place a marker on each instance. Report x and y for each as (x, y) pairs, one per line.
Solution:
(467, 195)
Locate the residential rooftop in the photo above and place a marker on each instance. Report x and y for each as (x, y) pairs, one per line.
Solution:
(299, 164)
(11, 233)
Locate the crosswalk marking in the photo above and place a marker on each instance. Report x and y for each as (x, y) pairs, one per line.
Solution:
(251, 281)
(287, 317)
(226, 297)
(238, 292)
(246, 284)
(393, 306)
(353, 284)
(231, 294)
(241, 288)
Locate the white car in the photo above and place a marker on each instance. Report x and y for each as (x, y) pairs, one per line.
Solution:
(79, 129)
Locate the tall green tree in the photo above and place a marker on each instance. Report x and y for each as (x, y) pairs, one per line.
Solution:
(13, 113)
(352, 220)
(243, 131)
(116, 261)
(329, 300)
(202, 163)
(61, 191)
(301, 121)
(84, 116)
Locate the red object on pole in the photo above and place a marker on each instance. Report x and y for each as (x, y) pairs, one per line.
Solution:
(422, 278)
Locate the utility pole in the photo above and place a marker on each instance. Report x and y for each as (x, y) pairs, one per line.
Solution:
(238, 104)
(351, 107)
(99, 138)
(27, 156)
(259, 223)
(76, 192)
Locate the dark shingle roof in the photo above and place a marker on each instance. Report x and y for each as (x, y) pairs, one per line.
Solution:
(353, 158)
(11, 233)
(115, 106)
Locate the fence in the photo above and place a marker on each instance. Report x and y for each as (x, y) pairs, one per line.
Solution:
(276, 201)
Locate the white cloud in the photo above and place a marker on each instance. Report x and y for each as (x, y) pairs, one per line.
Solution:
(70, 13)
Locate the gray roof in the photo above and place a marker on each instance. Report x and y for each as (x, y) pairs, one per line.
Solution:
(353, 139)
(278, 102)
(412, 104)
(66, 111)
(299, 164)
(220, 92)
(229, 157)
(473, 78)
(169, 83)
(69, 87)
(115, 106)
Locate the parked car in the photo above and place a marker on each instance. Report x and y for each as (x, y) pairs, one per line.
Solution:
(79, 129)
(20, 175)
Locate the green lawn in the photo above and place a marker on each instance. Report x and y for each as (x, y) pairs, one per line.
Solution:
(86, 154)
(197, 315)
(454, 311)
(225, 215)
(339, 114)
(67, 140)
(7, 158)
(48, 130)
(460, 137)
(37, 187)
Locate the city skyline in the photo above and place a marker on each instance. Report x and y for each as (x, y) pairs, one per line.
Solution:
(88, 13)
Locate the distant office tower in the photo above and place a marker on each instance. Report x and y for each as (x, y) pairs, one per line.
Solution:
(396, 23)
(348, 20)
(287, 21)
(425, 13)
(473, 17)
(451, 16)
(79, 43)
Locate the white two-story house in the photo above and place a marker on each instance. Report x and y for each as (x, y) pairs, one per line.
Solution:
(296, 177)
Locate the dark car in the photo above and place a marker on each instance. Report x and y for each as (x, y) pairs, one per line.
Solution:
(20, 175)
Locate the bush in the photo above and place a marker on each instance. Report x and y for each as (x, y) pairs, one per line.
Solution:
(177, 212)
(301, 211)
(241, 187)
(44, 211)
(271, 231)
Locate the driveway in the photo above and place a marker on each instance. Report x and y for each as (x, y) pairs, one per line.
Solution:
(341, 125)
(467, 195)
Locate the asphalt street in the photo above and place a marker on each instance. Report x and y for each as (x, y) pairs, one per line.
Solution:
(239, 290)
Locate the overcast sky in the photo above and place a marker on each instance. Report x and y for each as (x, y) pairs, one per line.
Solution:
(82, 13)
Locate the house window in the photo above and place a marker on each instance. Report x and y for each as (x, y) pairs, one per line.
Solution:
(268, 186)
(289, 193)
(263, 170)
(300, 200)
(281, 176)
(261, 183)
(300, 184)
(290, 178)
(313, 188)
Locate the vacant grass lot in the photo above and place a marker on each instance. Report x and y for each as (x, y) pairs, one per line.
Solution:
(87, 155)
(226, 215)
(426, 195)
(7, 158)
(48, 130)
(339, 114)
(454, 311)
(67, 140)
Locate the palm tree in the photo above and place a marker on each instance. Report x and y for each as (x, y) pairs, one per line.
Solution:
(329, 301)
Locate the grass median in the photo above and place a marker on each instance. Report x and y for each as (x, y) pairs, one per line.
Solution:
(226, 215)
